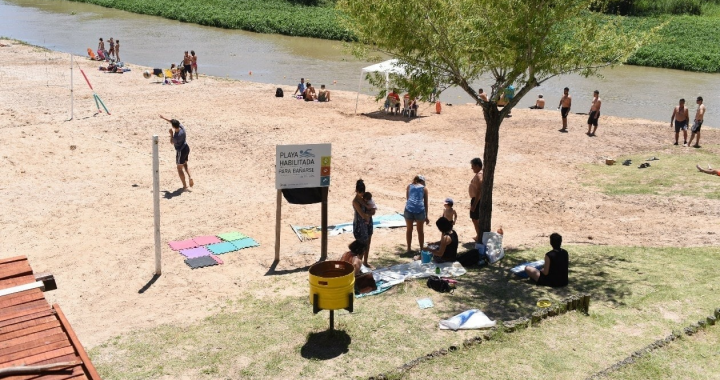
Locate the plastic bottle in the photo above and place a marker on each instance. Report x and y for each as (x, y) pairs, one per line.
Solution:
(437, 270)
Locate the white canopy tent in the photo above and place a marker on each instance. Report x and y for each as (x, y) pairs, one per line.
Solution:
(391, 66)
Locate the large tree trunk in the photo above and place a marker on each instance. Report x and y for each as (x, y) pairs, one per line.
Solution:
(493, 119)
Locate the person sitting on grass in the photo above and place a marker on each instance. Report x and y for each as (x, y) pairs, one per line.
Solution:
(309, 94)
(353, 256)
(709, 170)
(323, 95)
(444, 250)
(555, 269)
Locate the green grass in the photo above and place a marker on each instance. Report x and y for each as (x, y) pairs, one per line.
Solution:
(695, 357)
(294, 18)
(672, 174)
(684, 43)
(636, 298)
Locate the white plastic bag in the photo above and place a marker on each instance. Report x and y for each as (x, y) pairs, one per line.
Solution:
(468, 320)
(493, 246)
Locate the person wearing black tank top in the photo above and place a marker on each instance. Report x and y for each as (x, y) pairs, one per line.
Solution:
(555, 269)
(444, 250)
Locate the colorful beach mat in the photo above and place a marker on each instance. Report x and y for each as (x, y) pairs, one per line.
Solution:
(198, 249)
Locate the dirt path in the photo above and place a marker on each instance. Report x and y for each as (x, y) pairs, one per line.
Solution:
(77, 198)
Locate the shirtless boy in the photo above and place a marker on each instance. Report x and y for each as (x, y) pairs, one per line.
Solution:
(680, 116)
(194, 63)
(117, 50)
(699, 117)
(594, 113)
(482, 95)
(187, 63)
(564, 106)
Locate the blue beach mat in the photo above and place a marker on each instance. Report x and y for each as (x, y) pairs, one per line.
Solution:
(245, 243)
(221, 248)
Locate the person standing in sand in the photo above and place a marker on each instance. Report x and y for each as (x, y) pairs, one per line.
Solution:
(101, 49)
(187, 64)
(699, 117)
(564, 107)
(415, 212)
(475, 190)
(594, 113)
(111, 52)
(182, 149)
(194, 63)
(117, 50)
(680, 116)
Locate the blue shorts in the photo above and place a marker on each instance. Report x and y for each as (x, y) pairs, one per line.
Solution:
(182, 155)
(415, 216)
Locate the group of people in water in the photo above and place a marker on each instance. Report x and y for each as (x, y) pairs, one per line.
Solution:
(308, 93)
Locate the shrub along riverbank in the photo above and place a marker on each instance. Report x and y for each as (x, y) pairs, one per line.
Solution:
(685, 43)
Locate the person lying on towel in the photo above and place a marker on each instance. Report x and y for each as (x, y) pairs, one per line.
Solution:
(555, 269)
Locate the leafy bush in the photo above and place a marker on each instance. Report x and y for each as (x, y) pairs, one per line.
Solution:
(651, 7)
(307, 18)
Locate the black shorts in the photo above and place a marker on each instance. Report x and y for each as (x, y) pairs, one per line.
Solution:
(564, 112)
(593, 118)
(188, 68)
(475, 215)
(681, 126)
(182, 155)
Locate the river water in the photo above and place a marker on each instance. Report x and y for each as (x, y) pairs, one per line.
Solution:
(627, 91)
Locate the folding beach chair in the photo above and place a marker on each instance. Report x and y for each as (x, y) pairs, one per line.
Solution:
(91, 54)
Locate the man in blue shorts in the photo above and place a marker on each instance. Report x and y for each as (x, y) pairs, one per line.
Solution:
(182, 149)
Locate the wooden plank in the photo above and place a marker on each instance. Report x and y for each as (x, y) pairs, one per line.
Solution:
(15, 269)
(41, 357)
(29, 330)
(15, 281)
(60, 336)
(26, 317)
(12, 259)
(66, 358)
(22, 297)
(26, 308)
(30, 337)
(28, 323)
(70, 373)
(34, 351)
(89, 367)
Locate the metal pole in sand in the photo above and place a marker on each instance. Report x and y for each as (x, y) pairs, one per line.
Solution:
(72, 94)
(278, 215)
(156, 201)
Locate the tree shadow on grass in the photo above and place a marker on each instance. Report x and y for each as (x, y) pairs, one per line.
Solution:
(504, 296)
(326, 345)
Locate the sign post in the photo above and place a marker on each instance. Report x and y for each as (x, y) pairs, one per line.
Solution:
(156, 202)
(302, 166)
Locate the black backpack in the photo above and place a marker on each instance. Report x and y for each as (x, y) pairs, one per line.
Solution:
(279, 93)
(439, 285)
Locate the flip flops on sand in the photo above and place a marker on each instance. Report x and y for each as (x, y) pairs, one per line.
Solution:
(643, 166)
(627, 162)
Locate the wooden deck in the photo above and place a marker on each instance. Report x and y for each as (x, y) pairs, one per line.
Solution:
(32, 333)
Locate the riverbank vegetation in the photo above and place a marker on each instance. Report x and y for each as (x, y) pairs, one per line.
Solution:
(685, 43)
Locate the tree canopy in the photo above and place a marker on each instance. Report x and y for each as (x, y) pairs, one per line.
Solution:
(518, 42)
